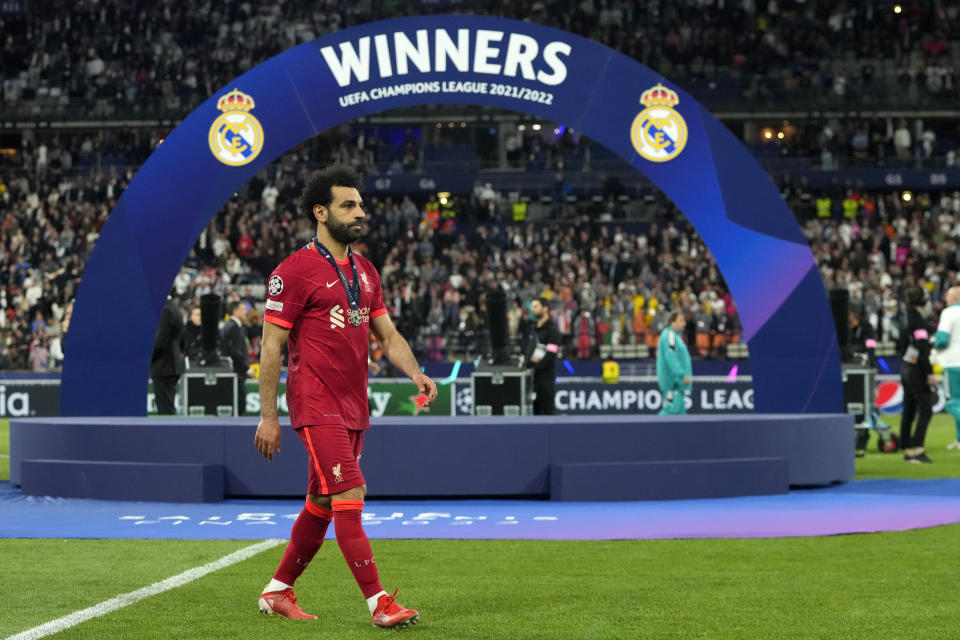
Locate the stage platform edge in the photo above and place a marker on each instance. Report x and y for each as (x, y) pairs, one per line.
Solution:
(609, 457)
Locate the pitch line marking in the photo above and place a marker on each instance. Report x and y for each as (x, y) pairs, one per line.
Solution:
(126, 599)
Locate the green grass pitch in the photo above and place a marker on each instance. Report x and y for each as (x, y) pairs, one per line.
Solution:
(886, 585)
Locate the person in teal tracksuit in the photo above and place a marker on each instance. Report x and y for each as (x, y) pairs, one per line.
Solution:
(674, 369)
(947, 342)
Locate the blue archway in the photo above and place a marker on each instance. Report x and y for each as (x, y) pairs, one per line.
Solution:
(669, 137)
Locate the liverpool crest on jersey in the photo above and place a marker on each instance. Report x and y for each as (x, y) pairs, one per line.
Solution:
(659, 133)
(236, 136)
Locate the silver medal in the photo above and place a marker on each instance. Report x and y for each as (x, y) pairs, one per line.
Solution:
(354, 317)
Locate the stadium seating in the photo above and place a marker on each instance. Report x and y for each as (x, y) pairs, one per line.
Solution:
(59, 180)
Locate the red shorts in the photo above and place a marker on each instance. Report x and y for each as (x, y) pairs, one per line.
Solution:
(334, 452)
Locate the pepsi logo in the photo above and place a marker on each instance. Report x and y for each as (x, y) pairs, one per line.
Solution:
(889, 397)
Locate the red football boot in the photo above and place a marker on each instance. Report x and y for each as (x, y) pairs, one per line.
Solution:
(389, 614)
(284, 604)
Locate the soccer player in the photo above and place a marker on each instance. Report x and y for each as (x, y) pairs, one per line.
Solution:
(323, 301)
(674, 370)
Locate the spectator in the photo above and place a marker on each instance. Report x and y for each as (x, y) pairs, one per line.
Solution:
(902, 141)
(39, 354)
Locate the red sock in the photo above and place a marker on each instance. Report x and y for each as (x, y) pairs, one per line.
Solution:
(306, 536)
(355, 546)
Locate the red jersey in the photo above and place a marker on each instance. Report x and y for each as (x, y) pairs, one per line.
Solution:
(327, 367)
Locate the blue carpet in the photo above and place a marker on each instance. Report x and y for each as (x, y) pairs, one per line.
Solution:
(855, 507)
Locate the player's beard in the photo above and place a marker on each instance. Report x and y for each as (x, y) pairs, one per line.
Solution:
(344, 233)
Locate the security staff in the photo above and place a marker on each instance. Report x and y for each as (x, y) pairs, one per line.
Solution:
(916, 376)
(542, 359)
(674, 368)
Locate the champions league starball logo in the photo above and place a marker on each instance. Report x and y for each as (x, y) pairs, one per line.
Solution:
(659, 133)
(464, 401)
(236, 137)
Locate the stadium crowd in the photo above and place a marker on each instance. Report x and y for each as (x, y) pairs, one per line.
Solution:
(608, 283)
(105, 57)
(556, 150)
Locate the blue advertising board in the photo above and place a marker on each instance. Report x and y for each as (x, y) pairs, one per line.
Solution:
(623, 105)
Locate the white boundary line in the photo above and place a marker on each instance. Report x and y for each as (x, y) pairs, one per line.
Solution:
(126, 599)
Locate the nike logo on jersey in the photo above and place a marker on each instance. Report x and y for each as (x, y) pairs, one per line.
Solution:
(330, 284)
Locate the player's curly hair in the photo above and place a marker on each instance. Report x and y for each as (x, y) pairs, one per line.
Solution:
(319, 188)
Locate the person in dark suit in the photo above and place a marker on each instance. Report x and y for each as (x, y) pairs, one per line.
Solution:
(166, 362)
(233, 338)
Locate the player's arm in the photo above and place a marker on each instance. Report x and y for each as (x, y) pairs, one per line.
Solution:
(942, 337)
(551, 348)
(674, 362)
(267, 438)
(687, 368)
(399, 354)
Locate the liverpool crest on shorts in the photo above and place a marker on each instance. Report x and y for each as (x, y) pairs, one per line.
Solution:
(236, 136)
(659, 133)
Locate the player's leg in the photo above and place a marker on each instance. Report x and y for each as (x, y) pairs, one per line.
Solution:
(910, 399)
(306, 538)
(549, 393)
(680, 398)
(164, 390)
(347, 506)
(666, 396)
(951, 388)
(543, 402)
(924, 414)
(674, 403)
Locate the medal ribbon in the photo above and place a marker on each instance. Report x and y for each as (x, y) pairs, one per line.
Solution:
(353, 293)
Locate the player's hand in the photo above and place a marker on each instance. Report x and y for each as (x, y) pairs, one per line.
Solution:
(267, 438)
(686, 380)
(427, 387)
(932, 380)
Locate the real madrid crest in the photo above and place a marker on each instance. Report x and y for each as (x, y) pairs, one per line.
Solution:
(236, 137)
(659, 133)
